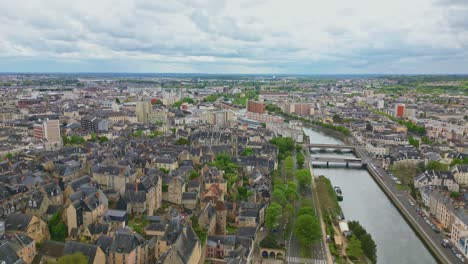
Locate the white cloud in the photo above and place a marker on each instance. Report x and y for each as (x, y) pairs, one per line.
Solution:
(251, 36)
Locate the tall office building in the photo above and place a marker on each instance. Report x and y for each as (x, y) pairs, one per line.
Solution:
(399, 110)
(143, 110)
(49, 130)
(256, 107)
(52, 130)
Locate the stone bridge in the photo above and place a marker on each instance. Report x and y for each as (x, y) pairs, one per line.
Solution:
(272, 253)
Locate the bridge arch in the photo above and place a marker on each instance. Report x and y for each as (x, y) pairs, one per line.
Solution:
(272, 253)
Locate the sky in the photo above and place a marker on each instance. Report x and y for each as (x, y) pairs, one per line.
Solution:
(235, 36)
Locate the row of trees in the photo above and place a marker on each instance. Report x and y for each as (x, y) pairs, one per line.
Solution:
(277, 110)
(73, 140)
(184, 100)
(420, 130)
(361, 243)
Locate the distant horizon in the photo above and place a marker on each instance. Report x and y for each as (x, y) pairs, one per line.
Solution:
(227, 74)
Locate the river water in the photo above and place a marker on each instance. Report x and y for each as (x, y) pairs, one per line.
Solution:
(365, 202)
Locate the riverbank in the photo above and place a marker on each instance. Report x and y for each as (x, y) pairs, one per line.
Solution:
(433, 248)
(396, 240)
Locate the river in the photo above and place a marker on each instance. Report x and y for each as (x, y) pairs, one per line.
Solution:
(365, 202)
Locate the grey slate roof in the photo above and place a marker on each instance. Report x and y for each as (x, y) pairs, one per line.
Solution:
(126, 242)
(17, 221)
(8, 255)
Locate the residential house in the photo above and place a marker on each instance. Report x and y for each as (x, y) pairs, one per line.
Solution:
(94, 253)
(186, 249)
(442, 207)
(460, 173)
(93, 231)
(50, 251)
(8, 254)
(190, 200)
(175, 189)
(459, 232)
(436, 178)
(113, 177)
(27, 224)
(116, 218)
(24, 246)
(166, 162)
(128, 248)
(87, 207)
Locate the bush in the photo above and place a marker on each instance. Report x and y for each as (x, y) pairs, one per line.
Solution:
(182, 141)
(57, 228)
(76, 258)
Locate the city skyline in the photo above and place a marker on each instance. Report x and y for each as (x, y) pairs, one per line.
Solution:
(236, 37)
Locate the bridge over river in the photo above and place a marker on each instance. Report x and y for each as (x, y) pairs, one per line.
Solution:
(346, 161)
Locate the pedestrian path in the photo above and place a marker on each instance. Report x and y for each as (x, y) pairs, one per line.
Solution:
(293, 260)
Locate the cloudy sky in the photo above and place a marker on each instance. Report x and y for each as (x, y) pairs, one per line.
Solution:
(234, 36)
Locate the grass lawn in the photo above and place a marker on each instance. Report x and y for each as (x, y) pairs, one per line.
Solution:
(138, 223)
(231, 229)
(402, 187)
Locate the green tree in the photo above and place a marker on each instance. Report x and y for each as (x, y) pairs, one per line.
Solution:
(413, 142)
(182, 141)
(289, 166)
(300, 160)
(306, 210)
(8, 156)
(279, 196)
(57, 228)
(103, 139)
(184, 100)
(211, 98)
(368, 245)
(247, 152)
(436, 165)
(242, 193)
(273, 214)
(285, 146)
(307, 229)
(194, 175)
(138, 133)
(337, 118)
(354, 249)
(303, 178)
(459, 162)
(75, 258)
(291, 191)
(93, 137)
(405, 171)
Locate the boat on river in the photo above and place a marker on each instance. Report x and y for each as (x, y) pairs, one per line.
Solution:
(339, 194)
